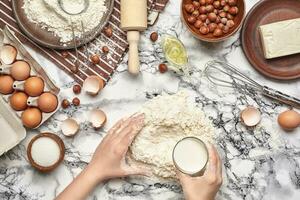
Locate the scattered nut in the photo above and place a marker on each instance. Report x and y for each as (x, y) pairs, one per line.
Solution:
(162, 68)
(202, 17)
(105, 49)
(195, 13)
(108, 31)
(224, 21)
(217, 4)
(65, 104)
(202, 2)
(226, 8)
(95, 59)
(76, 89)
(154, 36)
(202, 10)
(76, 101)
(230, 23)
(64, 54)
(209, 8)
(196, 4)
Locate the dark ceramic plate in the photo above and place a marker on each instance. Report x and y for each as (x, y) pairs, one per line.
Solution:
(265, 12)
(48, 39)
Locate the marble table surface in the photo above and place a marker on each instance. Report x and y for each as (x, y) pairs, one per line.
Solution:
(259, 163)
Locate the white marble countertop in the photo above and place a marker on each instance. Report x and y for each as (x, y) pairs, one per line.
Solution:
(260, 163)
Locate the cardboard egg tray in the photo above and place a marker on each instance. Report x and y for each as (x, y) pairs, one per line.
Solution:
(12, 129)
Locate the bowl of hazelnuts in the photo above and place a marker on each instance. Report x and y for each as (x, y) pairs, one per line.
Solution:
(213, 20)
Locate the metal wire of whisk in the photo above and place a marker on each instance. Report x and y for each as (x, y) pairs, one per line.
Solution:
(226, 75)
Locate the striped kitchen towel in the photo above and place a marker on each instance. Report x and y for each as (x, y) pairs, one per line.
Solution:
(65, 60)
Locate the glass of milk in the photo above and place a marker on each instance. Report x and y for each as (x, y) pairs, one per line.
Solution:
(190, 156)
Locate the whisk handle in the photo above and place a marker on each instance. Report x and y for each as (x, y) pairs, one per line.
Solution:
(284, 98)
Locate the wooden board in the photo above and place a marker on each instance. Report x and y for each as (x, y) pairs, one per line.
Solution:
(265, 12)
(48, 39)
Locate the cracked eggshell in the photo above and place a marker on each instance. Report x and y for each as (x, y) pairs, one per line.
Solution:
(92, 85)
(97, 118)
(8, 54)
(251, 116)
(69, 127)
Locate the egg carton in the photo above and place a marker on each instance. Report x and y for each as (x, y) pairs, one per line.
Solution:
(12, 130)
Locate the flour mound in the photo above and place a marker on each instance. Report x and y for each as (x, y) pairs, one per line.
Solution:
(168, 119)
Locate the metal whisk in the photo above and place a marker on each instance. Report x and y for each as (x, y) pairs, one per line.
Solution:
(226, 75)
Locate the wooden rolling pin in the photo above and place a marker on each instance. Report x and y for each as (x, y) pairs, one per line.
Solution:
(133, 20)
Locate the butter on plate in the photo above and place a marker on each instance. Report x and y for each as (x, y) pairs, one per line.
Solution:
(281, 38)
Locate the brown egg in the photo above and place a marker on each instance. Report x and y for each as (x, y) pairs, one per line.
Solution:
(34, 86)
(47, 102)
(6, 84)
(20, 70)
(31, 117)
(289, 120)
(18, 101)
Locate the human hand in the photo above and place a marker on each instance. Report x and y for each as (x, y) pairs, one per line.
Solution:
(109, 158)
(204, 187)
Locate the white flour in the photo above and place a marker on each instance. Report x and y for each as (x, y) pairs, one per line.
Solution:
(168, 119)
(50, 16)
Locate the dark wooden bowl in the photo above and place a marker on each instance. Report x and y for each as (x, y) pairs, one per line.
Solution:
(61, 147)
(265, 12)
(209, 37)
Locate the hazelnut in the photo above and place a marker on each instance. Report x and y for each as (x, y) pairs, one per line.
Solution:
(230, 23)
(218, 20)
(224, 21)
(95, 59)
(204, 30)
(207, 21)
(226, 8)
(76, 101)
(64, 54)
(209, 2)
(217, 32)
(76, 89)
(198, 24)
(75, 69)
(212, 27)
(202, 2)
(202, 17)
(229, 16)
(223, 2)
(232, 2)
(154, 36)
(222, 14)
(162, 68)
(189, 8)
(212, 17)
(108, 31)
(196, 4)
(216, 11)
(202, 10)
(209, 8)
(105, 49)
(195, 13)
(217, 4)
(65, 104)
(220, 25)
(225, 29)
(191, 19)
(233, 10)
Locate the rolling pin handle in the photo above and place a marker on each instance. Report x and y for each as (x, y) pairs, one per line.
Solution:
(133, 38)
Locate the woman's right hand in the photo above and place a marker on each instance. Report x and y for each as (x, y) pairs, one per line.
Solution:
(204, 187)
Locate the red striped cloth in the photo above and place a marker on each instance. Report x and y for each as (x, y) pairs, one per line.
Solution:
(108, 63)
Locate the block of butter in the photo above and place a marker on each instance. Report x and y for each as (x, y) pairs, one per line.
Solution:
(281, 38)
